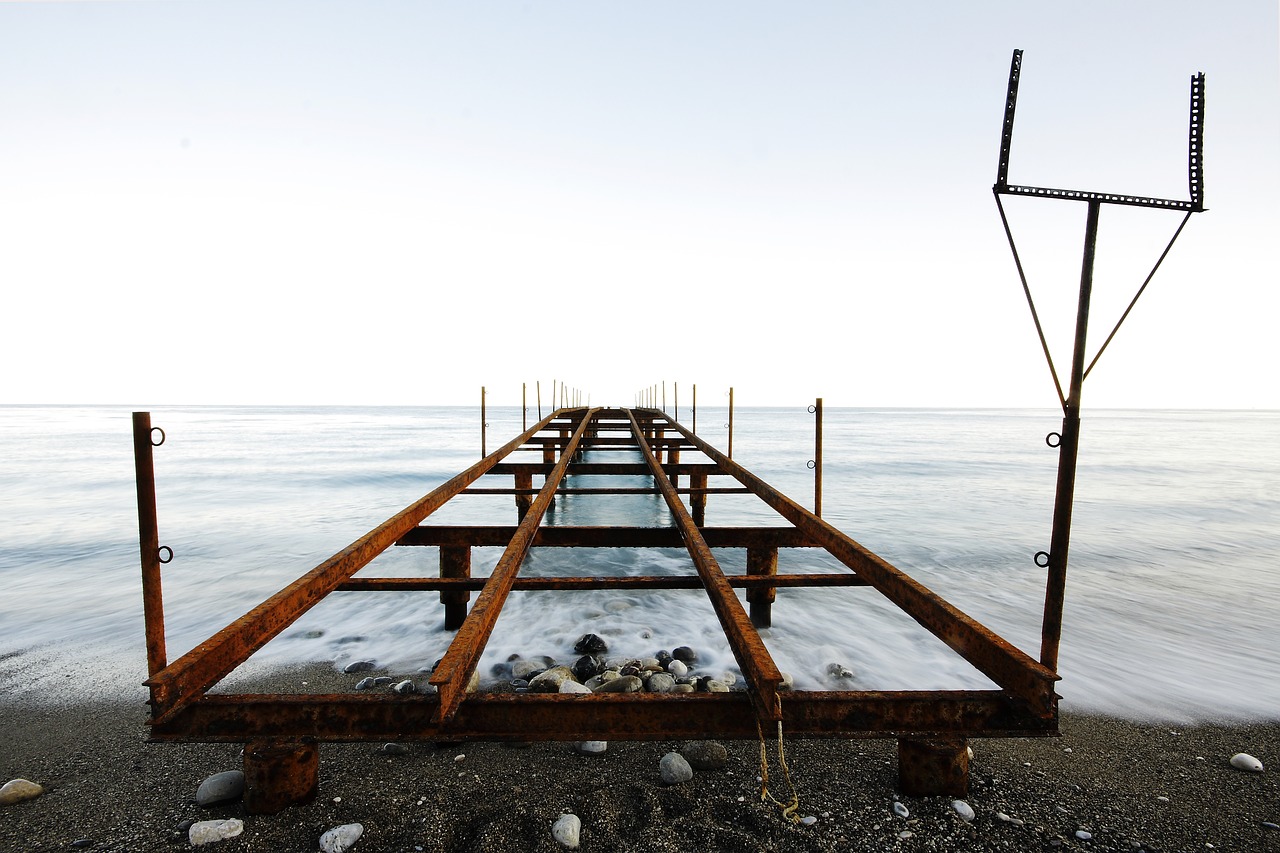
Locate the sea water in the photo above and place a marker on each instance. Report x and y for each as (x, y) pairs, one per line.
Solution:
(1172, 591)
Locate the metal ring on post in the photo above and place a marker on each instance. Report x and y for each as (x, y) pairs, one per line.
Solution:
(1053, 439)
(1042, 563)
(726, 425)
(162, 551)
(155, 430)
(813, 410)
(811, 464)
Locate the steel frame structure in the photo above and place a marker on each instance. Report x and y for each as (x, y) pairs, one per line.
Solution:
(931, 725)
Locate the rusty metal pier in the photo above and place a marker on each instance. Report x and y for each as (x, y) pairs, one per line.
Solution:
(283, 731)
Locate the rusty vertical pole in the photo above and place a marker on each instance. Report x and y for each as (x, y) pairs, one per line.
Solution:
(538, 388)
(664, 395)
(694, 430)
(524, 407)
(730, 421)
(455, 562)
(483, 426)
(817, 458)
(762, 561)
(279, 774)
(1069, 445)
(698, 497)
(149, 540)
(524, 480)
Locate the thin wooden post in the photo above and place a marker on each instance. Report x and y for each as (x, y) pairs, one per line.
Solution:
(483, 426)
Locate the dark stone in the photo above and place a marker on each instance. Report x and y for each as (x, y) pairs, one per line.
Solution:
(684, 653)
(520, 684)
(702, 682)
(360, 666)
(587, 666)
(629, 669)
(664, 657)
(590, 644)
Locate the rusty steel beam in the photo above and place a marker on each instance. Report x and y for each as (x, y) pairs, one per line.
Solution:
(455, 668)
(609, 490)
(608, 537)
(543, 584)
(209, 662)
(601, 716)
(761, 673)
(579, 468)
(995, 657)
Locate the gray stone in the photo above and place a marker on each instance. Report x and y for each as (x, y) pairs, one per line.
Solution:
(591, 747)
(683, 688)
(220, 788)
(713, 686)
(705, 754)
(674, 769)
(525, 669)
(606, 676)
(621, 684)
(364, 683)
(360, 666)
(549, 681)
(405, 686)
(393, 749)
(660, 682)
(571, 686)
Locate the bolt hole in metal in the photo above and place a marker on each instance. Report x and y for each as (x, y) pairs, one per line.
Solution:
(1053, 439)
(164, 554)
(1042, 559)
(154, 441)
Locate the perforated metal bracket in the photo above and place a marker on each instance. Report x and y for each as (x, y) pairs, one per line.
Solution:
(1195, 156)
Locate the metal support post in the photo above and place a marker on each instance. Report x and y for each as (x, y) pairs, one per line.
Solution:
(1069, 444)
(150, 551)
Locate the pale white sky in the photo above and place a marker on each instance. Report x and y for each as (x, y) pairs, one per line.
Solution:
(385, 202)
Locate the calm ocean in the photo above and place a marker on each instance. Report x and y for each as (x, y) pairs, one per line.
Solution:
(1172, 596)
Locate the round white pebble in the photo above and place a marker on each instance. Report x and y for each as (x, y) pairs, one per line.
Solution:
(1084, 834)
(963, 809)
(900, 810)
(567, 830)
(809, 820)
(340, 838)
(1245, 761)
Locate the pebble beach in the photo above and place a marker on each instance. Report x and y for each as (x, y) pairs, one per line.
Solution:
(1105, 785)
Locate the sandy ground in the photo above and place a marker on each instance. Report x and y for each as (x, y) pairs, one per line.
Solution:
(1131, 786)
